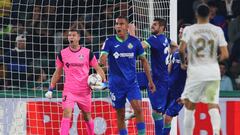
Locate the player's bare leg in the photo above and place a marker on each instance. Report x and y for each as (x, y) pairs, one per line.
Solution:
(129, 113)
(89, 122)
(66, 119)
(121, 122)
(189, 120)
(137, 107)
(213, 110)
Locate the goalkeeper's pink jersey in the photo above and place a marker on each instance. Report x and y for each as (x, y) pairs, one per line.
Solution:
(76, 65)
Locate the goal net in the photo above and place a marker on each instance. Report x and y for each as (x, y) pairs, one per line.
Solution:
(32, 32)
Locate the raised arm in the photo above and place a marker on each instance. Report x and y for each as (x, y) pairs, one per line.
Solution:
(132, 31)
(145, 44)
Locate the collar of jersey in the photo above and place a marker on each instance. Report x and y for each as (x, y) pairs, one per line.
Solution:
(119, 39)
(76, 50)
(159, 34)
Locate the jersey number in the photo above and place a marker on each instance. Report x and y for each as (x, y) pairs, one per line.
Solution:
(202, 44)
(168, 58)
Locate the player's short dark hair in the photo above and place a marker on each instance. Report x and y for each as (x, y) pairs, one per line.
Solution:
(203, 10)
(123, 17)
(161, 21)
(74, 30)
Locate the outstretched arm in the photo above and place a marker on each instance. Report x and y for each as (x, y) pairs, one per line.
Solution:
(56, 76)
(147, 72)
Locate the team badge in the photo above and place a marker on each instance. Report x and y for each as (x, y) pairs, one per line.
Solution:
(130, 46)
(81, 57)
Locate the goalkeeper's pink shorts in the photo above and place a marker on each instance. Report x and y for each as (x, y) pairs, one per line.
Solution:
(83, 101)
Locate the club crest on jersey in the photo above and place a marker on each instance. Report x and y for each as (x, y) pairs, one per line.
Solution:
(130, 46)
(81, 57)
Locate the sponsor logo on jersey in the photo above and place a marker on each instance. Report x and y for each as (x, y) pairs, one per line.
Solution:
(74, 64)
(116, 55)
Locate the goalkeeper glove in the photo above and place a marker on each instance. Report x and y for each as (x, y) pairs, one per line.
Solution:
(49, 93)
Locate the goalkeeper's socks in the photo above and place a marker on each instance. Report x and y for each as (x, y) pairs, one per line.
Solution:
(158, 120)
(141, 128)
(65, 126)
(166, 129)
(123, 132)
(90, 127)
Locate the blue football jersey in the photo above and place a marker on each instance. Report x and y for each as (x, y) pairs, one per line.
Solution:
(177, 76)
(122, 60)
(159, 45)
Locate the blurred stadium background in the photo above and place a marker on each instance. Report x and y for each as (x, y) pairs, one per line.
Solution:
(32, 32)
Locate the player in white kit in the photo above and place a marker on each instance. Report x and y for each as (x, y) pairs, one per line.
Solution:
(202, 41)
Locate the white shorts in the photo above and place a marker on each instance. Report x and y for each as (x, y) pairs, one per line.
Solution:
(202, 91)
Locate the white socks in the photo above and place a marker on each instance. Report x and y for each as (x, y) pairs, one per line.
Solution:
(215, 120)
(189, 121)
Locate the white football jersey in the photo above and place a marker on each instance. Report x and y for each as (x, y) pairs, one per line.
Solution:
(203, 41)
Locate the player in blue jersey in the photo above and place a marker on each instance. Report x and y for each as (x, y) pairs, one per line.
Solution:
(159, 46)
(177, 79)
(121, 51)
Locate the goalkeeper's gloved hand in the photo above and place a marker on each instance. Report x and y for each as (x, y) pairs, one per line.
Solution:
(49, 93)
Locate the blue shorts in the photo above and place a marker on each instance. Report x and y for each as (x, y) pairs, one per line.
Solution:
(119, 95)
(158, 99)
(173, 108)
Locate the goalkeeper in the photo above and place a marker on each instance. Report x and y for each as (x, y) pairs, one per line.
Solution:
(75, 60)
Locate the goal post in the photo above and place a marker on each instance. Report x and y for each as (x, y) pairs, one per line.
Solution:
(173, 20)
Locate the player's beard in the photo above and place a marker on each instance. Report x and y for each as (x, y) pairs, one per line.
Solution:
(154, 32)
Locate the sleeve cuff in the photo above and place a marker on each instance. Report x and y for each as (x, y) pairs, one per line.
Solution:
(104, 52)
(143, 54)
(149, 46)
